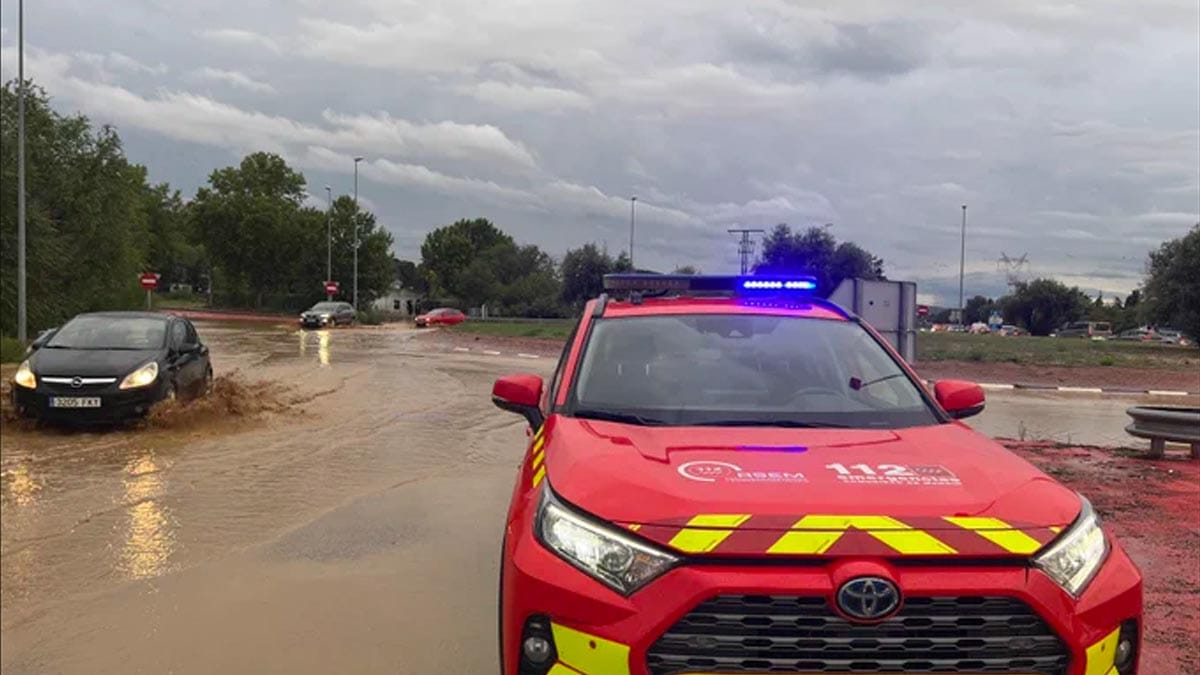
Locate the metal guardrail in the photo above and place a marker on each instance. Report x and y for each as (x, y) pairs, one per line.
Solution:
(1166, 424)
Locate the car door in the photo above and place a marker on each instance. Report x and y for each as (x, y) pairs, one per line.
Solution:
(178, 357)
(200, 363)
(347, 313)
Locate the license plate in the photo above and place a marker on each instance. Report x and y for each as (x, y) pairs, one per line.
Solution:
(75, 402)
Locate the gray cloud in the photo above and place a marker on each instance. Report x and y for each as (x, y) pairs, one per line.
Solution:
(1071, 131)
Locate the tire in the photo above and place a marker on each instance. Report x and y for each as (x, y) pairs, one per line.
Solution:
(209, 383)
(171, 394)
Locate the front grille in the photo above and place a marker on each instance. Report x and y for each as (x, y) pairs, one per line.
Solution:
(789, 634)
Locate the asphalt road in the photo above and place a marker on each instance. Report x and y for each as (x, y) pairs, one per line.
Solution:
(351, 527)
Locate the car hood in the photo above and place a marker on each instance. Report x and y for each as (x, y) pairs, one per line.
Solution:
(89, 362)
(751, 491)
(313, 313)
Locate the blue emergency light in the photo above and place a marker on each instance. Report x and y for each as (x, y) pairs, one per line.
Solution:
(709, 283)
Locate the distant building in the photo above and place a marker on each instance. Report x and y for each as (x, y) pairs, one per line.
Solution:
(399, 302)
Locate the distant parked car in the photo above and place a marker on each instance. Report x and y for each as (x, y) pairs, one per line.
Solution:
(1138, 335)
(442, 316)
(1009, 330)
(328, 314)
(1087, 329)
(109, 366)
(1172, 337)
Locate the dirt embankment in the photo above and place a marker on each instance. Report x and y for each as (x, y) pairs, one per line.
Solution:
(1153, 508)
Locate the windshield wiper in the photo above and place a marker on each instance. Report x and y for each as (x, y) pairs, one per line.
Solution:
(788, 424)
(864, 385)
(612, 416)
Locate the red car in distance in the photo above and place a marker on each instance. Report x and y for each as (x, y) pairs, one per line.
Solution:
(442, 316)
(726, 475)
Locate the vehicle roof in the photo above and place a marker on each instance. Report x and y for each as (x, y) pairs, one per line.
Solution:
(127, 315)
(799, 307)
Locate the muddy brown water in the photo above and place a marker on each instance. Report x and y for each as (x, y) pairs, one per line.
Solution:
(338, 510)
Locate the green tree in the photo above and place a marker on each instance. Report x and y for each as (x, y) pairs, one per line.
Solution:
(86, 222)
(410, 276)
(978, 310)
(1043, 305)
(816, 252)
(1171, 293)
(583, 271)
(448, 252)
(686, 269)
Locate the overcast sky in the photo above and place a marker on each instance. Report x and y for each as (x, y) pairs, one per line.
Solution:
(1072, 130)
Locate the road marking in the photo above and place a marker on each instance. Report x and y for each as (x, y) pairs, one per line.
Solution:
(997, 386)
(462, 349)
(529, 356)
(490, 352)
(1156, 392)
(1083, 390)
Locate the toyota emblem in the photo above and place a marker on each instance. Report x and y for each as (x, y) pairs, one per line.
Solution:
(868, 598)
(77, 382)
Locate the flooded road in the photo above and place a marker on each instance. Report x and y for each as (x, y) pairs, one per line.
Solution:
(346, 518)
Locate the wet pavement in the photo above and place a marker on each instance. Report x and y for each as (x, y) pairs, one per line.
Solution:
(348, 522)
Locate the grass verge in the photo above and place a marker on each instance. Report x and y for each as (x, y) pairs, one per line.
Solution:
(11, 350)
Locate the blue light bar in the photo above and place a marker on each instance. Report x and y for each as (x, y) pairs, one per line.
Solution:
(752, 285)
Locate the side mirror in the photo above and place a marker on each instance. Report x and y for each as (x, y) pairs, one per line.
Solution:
(959, 398)
(520, 394)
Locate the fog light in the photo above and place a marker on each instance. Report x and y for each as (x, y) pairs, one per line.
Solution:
(537, 649)
(1124, 654)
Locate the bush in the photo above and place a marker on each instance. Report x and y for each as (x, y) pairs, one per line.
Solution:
(11, 351)
(369, 316)
(1108, 361)
(976, 356)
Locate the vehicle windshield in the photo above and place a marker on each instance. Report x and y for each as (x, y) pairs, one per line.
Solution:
(324, 307)
(738, 369)
(107, 332)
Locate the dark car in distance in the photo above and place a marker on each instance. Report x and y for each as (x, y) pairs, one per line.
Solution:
(110, 366)
(325, 314)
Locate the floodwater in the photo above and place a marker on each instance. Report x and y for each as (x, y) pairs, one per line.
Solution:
(344, 516)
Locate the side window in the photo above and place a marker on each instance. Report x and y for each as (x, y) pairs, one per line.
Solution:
(556, 380)
(192, 337)
(178, 334)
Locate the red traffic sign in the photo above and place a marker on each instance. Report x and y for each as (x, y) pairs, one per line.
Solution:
(922, 310)
(331, 287)
(149, 280)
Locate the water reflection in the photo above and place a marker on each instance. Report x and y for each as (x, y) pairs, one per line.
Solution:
(323, 347)
(20, 486)
(150, 534)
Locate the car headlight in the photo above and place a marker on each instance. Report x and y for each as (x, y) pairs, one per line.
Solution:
(25, 376)
(617, 560)
(141, 377)
(1074, 559)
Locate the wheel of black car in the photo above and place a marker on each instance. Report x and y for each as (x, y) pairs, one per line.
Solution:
(209, 383)
(171, 395)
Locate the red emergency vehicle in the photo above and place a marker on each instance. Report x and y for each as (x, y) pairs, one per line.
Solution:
(729, 475)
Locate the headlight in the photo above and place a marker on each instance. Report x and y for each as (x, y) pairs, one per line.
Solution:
(1073, 560)
(25, 376)
(141, 377)
(611, 557)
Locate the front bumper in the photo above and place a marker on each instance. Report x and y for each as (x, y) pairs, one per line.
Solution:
(598, 632)
(316, 322)
(115, 404)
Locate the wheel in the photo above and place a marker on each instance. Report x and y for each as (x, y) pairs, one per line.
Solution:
(209, 383)
(171, 396)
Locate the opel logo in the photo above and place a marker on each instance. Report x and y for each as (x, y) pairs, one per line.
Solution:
(77, 382)
(868, 598)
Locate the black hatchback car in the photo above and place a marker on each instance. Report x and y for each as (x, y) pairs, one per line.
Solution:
(109, 366)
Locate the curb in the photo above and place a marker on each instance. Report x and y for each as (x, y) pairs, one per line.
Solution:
(1029, 386)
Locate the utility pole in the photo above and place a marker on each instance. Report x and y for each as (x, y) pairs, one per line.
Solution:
(22, 327)
(962, 265)
(356, 161)
(745, 246)
(632, 221)
(329, 240)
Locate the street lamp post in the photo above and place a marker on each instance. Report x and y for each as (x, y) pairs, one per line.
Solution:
(632, 224)
(22, 328)
(962, 264)
(355, 222)
(329, 241)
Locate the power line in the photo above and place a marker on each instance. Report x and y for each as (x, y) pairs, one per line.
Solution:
(746, 246)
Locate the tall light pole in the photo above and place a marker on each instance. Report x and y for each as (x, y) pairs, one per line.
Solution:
(22, 328)
(962, 265)
(632, 223)
(329, 240)
(355, 221)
